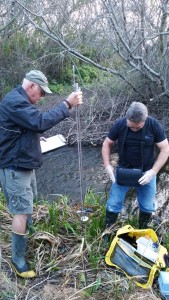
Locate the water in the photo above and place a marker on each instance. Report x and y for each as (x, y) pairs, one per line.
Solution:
(60, 175)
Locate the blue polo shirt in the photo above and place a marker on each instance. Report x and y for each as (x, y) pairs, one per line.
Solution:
(130, 153)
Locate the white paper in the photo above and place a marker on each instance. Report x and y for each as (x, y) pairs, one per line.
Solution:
(52, 143)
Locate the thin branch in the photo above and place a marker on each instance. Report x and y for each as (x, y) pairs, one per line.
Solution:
(9, 24)
(52, 35)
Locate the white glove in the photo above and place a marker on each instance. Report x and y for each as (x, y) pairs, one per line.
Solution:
(109, 170)
(147, 177)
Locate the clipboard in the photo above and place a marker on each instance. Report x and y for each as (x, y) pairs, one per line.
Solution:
(52, 143)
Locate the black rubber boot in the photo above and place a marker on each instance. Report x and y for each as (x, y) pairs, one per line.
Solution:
(19, 245)
(111, 218)
(144, 219)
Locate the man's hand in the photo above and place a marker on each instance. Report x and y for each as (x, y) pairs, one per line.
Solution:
(147, 177)
(42, 138)
(110, 172)
(75, 98)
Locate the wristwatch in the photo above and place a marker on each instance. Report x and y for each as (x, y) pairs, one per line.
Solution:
(68, 105)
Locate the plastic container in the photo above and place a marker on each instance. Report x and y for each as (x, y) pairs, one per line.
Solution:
(147, 248)
(163, 281)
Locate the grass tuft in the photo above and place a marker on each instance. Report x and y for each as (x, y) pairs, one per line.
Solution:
(67, 254)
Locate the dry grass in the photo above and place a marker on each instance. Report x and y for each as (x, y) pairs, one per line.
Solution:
(69, 264)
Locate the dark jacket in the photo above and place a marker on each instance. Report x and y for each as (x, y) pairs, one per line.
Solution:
(20, 126)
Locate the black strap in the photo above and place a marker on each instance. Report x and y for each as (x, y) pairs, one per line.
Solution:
(142, 141)
(123, 141)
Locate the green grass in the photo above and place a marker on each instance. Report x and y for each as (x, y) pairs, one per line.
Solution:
(62, 220)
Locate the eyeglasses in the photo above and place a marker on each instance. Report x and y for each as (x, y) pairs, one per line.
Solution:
(42, 92)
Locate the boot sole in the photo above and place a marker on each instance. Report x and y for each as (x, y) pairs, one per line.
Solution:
(23, 274)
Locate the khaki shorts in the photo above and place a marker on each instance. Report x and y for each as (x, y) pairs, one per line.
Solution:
(19, 188)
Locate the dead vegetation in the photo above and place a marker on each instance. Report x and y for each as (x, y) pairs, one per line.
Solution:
(97, 114)
(68, 256)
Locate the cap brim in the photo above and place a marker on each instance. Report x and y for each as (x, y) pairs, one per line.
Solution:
(46, 89)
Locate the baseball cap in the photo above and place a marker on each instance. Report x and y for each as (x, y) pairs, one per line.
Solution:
(39, 78)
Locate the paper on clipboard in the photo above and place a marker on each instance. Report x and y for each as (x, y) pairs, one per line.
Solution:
(52, 143)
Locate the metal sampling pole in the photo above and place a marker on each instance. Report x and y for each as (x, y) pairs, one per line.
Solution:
(79, 143)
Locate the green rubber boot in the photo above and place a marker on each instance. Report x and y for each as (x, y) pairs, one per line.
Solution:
(19, 245)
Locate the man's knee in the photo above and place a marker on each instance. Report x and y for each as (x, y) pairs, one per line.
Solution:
(19, 223)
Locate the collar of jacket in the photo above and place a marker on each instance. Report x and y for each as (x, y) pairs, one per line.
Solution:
(20, 89)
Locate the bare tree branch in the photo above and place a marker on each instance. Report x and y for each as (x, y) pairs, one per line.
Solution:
(128, 37)
(52, 35)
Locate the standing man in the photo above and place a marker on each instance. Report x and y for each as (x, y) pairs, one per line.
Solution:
(128, 133)
(20, 154)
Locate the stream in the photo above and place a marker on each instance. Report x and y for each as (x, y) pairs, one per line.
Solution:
(59, 175)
